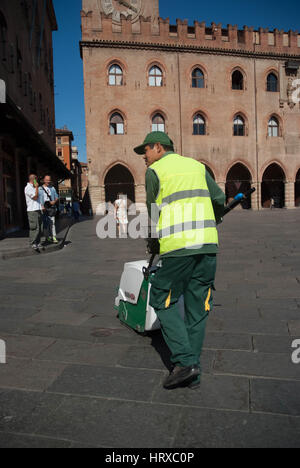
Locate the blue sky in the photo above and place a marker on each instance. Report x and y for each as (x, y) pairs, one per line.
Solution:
(69, 97)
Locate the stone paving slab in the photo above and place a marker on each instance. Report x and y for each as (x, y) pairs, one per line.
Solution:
(11, 326)
(272, 344)
(23, 411)
(256, 364)
(21, 301)
(72, 352)
(16, 313)
(26, 441)
(275, 396)
(29, 375)
(64, 315)
(204, 428)
(228, 341)
(59, 331)
(21, 346)
(234, 394)
(107, 382)
(247, 326)
(294, 327)
(109, 423)
(147, 358)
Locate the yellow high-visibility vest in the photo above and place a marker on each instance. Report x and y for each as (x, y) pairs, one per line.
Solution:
(187, 219)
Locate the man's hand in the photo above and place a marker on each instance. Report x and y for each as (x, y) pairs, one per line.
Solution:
(153, 246)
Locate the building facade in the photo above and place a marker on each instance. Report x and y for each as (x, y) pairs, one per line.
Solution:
(64, 139)
(227, 97)
(27, 117)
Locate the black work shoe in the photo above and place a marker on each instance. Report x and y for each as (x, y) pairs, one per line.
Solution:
(195, 384)
(181, 375)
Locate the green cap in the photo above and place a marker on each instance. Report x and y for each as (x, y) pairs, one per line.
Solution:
(152, 138)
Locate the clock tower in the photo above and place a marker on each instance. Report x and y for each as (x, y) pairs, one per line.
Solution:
(119, 9)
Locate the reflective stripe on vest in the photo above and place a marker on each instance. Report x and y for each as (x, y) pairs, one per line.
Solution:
(187, 217)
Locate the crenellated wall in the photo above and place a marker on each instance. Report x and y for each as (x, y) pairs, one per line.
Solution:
(145, 30)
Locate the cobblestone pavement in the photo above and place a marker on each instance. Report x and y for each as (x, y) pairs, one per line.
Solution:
(76, 378)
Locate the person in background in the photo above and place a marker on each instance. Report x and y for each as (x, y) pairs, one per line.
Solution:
(49, 199)
(34, 212)
(76, 209)
(120, 214)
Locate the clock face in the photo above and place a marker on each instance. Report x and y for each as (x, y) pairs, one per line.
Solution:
(125, 7)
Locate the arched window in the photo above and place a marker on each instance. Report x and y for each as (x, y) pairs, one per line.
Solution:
(155, 76)
(198, 78)
(158, 123)
(199, 125)
(3, 36)
(272, 187)
(272, 83)
(238, 180)
(273, 127)
(115, 75)
(237, 80)
(116, 124)
(239, 126)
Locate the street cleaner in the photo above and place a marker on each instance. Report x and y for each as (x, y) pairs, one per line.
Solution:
(186, 205)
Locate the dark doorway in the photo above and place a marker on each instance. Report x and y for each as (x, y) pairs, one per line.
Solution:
(272, 188)
(210, 172)
(119, 180)
(297, 189)
(238, 181)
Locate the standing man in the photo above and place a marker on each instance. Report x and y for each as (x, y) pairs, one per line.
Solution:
(186, 205)
(49, 199)
(34, 212)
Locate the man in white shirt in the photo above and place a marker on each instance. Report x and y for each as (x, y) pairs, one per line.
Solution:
(49, 199)
(34, 212)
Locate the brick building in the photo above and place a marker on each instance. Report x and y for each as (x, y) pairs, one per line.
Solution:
(84, 179)
(64, 139)
(27, 128)
(227, 97)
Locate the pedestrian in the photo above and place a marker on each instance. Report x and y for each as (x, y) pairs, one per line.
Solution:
(188, 206)
(34, 212)
(76, 209)
(49, 199)
(120, 213)
(68, 209)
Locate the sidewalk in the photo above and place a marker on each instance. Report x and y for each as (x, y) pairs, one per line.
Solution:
(17, 244)
(75, 377)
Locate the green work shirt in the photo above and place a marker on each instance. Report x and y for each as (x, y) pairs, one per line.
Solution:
(218, 201)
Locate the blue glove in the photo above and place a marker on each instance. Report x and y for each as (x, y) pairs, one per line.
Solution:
(239, 197)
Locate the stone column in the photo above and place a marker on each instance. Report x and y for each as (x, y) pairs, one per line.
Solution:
(222, 186)
(289, 195)
(140, 194)
(256, 197)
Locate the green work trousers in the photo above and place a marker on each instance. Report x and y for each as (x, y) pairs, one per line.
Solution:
(35, 220)
(193, 278)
